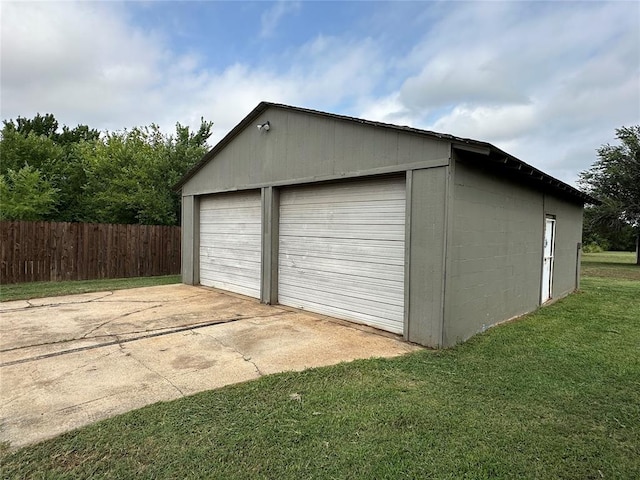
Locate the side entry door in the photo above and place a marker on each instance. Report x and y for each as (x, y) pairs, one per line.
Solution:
(547, 262)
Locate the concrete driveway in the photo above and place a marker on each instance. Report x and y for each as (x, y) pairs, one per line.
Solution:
(69, 361)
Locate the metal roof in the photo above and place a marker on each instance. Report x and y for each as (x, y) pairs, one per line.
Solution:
(480, 153)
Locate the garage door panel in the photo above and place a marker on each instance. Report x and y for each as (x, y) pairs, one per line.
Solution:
(375, 301)
(229, 213)
(240, 276)
(350, 299)
(329, 230)
(352, 213)
(232, 255)
(342, 251)
(343, 282)
(345, 310)
(243, 288)
(230, 242)
(239, 262)
(360, 312)
(230, 228)
(345, 268)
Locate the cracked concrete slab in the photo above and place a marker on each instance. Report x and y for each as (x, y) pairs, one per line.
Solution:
(69, 361)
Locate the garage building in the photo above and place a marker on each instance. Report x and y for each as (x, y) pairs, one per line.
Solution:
(422, 234)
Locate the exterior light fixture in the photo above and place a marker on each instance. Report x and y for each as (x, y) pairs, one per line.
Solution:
(264, 127)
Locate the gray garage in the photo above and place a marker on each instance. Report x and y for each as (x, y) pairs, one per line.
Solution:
(418, 233)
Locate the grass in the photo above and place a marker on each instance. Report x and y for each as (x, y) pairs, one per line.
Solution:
(610, 265)
(25, 291)
(553, 395)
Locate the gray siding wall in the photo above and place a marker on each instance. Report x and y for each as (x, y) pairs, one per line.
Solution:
(190, 237)
(566, 265)
(301, 148)
(495, 253)
(424, 288)
(494, 264)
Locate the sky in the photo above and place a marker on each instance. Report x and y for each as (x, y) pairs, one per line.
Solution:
(548, 82)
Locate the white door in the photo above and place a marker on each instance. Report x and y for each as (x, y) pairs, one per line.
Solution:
(547, 263)
(230, 242)
(342, 251)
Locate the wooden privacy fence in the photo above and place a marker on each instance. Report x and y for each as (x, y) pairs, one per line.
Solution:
(46, 251)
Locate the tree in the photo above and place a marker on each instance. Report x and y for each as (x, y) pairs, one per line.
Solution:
(25, 195)
(141, 166)
(615, 179)
(40, 125)
(47, 126)
(19, 150)
(119, 177)
(38, 143)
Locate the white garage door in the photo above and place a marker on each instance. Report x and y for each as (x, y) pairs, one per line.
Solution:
(230, 242)
(342, 251)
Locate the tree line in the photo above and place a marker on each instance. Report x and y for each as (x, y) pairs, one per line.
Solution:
(614, 179)
(83, 175)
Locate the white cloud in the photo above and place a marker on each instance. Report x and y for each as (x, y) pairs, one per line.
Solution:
(272, 17)
(75, 59)
(387, 109)
(87, 64)
(546, 82)
(496, 122)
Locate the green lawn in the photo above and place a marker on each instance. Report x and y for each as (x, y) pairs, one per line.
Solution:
(553, 395)
(25, 291)
(610, 264)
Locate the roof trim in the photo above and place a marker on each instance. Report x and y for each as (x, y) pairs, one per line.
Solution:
(487, 151)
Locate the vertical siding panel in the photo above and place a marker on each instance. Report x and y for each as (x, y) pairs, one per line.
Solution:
(64, 259)
(143, 236)
(157, 239)
(33, 240)
(151, 242)
(16, 252)
(55, 251)
(112, 254)
(12, 245)
(46, 243)
(3, 253)
(10, 253)
(70, 243)
(110, 259)
(115, 260)
(73, 257)
(176, 250)
(137, 239)
(122, 248)
(21, 251)
(15, 249)
(156, 254)
(85, 251)
(130, 264)
(95, 246)
(27, 239)
(154, 237)
(37, 250)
